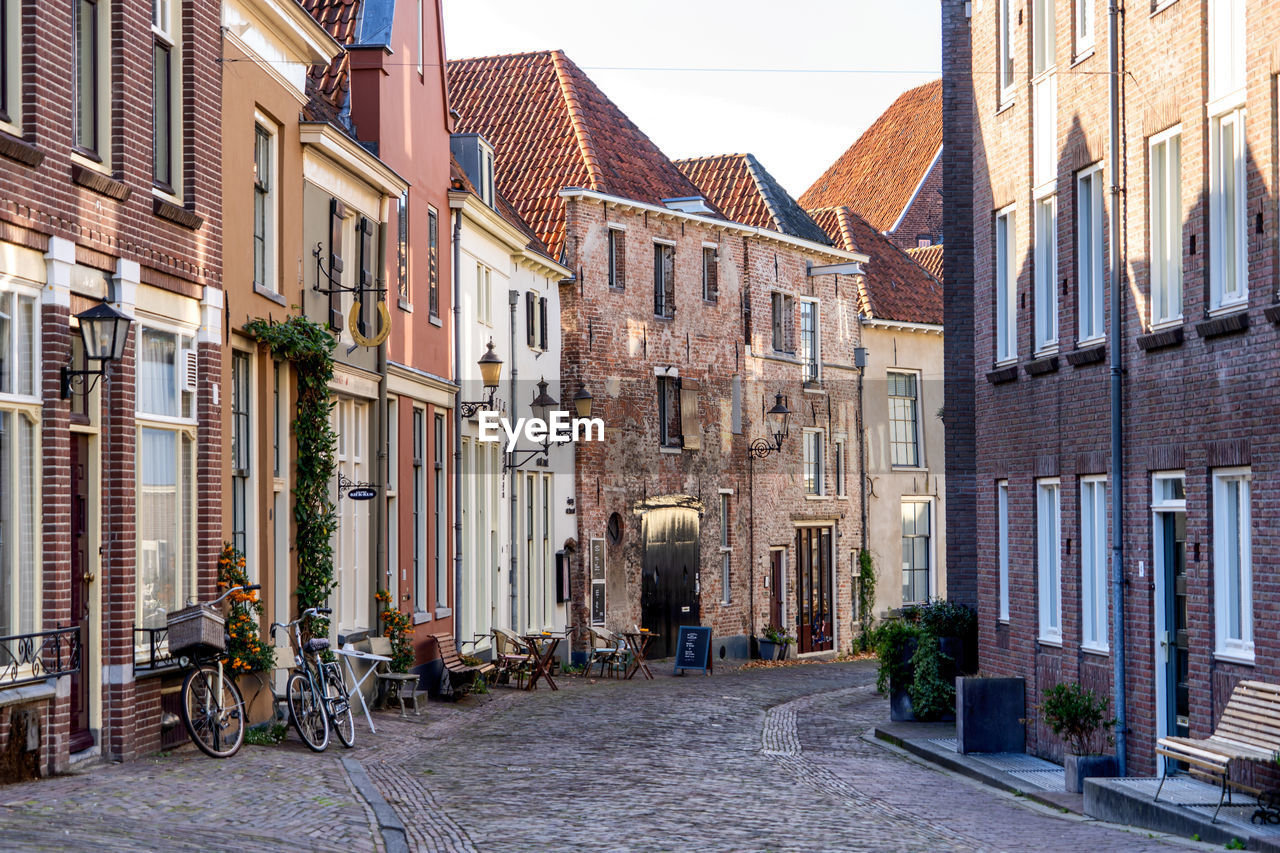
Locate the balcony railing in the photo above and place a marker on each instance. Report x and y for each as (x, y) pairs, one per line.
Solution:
(32, 658)
(151, 648)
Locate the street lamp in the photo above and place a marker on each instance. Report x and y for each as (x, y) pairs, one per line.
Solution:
(490, 374)
(543, 402)
(105, 333)
(778, 419)
(582, 403)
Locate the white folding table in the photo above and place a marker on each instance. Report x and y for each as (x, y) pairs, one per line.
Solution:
(373, 660)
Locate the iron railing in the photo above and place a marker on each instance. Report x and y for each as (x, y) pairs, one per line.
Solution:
(32, 658)
(151, 648)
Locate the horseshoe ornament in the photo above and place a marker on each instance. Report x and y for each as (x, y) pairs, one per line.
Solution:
(384, 329)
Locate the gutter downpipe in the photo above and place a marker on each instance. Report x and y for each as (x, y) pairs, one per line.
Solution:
(382, 524)
(457, 430)
(1117, 393)
(513, 299)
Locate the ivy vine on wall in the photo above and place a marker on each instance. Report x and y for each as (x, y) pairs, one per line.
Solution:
(308, 346)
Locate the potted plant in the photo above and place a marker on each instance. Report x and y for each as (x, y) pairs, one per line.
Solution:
(1081, 718)
(773, 645)
(249, 659)
(920, 654)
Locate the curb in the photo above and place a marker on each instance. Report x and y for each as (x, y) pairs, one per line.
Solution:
(389, 824)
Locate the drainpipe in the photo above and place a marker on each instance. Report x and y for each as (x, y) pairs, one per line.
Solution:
(513, 299)
(381, 569)
(1117, 394)
(457, 430)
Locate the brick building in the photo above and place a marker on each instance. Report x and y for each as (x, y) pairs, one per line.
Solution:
(1198, 250)
(110, 501)
(657, 326)
(891, 176)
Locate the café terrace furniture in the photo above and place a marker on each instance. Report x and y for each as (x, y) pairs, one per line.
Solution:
(638, 643)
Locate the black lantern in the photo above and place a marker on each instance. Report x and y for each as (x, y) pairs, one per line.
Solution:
(105, 332)
(490, 374)
(582, 403)
(543, 403)
(779, 418)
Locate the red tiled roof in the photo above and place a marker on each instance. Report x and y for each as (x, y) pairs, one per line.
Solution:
(459, 181)
(929, 257)
(895, 287)
(339, 17)
(746, 192)
(878, 174)
(552, 128)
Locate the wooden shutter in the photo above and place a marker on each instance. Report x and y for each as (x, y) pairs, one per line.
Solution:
(337, 214)
(620, 258)
(711, 274)
(690, 422)
(366, 295)
(779, 343)
(433, 262)
(669, 279)
(542, 322)
(659, 290)
(789, 323)
(529, 328)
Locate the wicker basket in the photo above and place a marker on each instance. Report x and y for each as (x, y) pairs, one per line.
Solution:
(197, 628)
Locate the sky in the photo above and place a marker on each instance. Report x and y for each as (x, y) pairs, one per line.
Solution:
(856, 56)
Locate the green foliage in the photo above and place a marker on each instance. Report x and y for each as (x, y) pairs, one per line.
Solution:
(308, 346)
(779, 635)
(1077, 715)
(1235, 844)
(931, 694)
(888, 640)
(245, 650)
(397, 627)
(268, 734)
(866, 598)
(943, 618)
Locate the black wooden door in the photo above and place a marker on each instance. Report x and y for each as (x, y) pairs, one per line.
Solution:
(669, 587)
(777, 583)
(81, 577)
(814, 627)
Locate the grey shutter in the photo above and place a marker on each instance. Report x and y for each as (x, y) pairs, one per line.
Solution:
(669, 279)
(529, 328)
(542, 322)
(690, 423)
(779, 343)
(789, 323)
(337, 213)
(659, 290)
(620, 259)
(366, 275)
(713, 274)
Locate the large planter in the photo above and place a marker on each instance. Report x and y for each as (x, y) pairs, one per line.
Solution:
(1081, 767)
(990, 713)
(770, 650)
(899, 699)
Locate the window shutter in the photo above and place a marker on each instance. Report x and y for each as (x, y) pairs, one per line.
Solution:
(337, 213)
(659, 291)
(778, 343)
(620, 262)
(433, 263)
(669, 279)
(366, 274)
(542, 322)
(713, 275)
(690, 423)
(529, 327)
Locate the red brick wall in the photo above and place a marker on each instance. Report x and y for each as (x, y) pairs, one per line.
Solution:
(1193, 406)
(923, 216)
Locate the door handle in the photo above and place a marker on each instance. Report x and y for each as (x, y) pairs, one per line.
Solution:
(88, 577)
(1166, 640)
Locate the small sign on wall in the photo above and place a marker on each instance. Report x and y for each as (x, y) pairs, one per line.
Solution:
(597, 581)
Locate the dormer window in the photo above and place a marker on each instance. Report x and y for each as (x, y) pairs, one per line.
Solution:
(486, 175)
(690, 204)
(475, 155)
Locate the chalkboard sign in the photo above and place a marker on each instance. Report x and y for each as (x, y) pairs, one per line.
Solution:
(693, 649)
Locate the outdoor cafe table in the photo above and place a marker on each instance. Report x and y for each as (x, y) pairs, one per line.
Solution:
(373, 660)
(638, 642)
(543, 648)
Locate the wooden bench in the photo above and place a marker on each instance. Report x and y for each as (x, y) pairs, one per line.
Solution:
(1248, 730)
(467, 673)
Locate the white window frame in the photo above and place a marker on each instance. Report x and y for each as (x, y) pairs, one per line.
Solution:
(484, 295)
(930, 582)
(810, 362)
(271, 279)
(11, 56)
(1227, 646)
(1228, 219)
(1044, 33)
(841, 468)
(1006, 71)
(1165, 203)
(1091, 287)
(250, 441)
(1006, 282)
(814, 452)
(1049, 559)
(166, 26)
(420, 437)
(24, 616)
(1002, 538)
(894, 405)
(1086, 25)
(1046, 275)
(726, 546)
(1093, 564)
(1044, 126)
(1227, 53)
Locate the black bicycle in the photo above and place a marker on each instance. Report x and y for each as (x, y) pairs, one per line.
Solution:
(317, 693)
(212, 706)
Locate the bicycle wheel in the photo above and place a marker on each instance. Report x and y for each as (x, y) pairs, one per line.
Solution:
(214, 716)
(306, 710)
(338, 704)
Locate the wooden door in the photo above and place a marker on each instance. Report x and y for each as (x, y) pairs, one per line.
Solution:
(82, 574)
(669, 588)
(814, 627)
(777, 586)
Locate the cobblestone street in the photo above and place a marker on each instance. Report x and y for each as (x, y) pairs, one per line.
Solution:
(750, 760)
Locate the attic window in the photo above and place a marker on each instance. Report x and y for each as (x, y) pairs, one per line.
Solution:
(691, 204)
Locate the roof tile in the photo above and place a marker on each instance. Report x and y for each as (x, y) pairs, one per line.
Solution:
(879, 173)
(746, 192)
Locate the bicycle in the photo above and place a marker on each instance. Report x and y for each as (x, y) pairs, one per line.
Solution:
(317, 693)
(212, 707)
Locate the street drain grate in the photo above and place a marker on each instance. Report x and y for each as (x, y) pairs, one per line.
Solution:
(1045, 780)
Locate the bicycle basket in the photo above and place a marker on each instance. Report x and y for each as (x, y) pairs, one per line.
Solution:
(198, 628)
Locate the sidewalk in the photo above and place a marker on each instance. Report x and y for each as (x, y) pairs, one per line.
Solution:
(1185, 808)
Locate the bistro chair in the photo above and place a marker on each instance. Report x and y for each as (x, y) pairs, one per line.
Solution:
(512, 656)
(608, 650)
